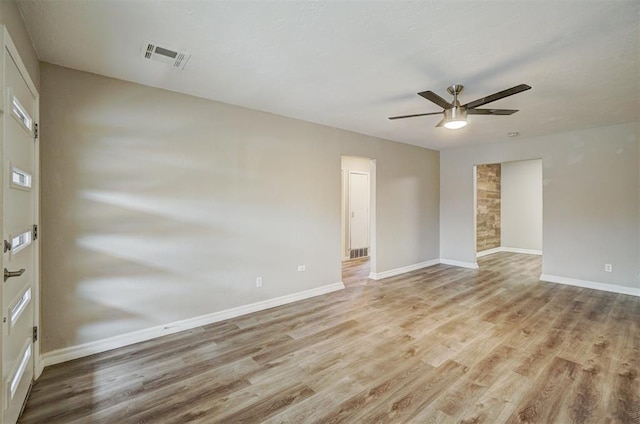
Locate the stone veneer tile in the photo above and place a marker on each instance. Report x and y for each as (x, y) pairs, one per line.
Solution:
(488, 209)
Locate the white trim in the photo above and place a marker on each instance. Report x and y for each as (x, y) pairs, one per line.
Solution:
(472, 265)
(518, 250)
(632, 291)
(13, 51)
(508, 249)
(372, 216)
(38, 365)
(86, 349)
(475, 206)
(489, 252)
(343, 212)
(402, 270)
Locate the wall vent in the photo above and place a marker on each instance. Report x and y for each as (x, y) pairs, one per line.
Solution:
(358, 253)
(153, 51)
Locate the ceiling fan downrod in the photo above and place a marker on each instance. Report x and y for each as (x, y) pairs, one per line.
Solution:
(454, 90)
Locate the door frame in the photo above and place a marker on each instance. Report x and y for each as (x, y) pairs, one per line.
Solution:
(9, 48)
(475, 214)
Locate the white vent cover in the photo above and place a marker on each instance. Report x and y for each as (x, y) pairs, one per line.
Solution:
(153, 51)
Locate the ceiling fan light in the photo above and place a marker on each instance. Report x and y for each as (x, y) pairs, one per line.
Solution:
(455, 118)
(455, 125)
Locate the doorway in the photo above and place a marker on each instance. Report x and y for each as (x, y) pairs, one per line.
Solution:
(508, 207)
(358, 214)
(357, 207)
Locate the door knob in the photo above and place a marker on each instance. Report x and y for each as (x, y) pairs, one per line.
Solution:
(7, 246)
(9, 274)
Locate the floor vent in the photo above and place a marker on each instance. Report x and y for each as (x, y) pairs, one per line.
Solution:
(358, 253)
(153, 51)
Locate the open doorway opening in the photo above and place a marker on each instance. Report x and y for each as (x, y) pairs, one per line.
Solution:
(508, 207)
(358, 213)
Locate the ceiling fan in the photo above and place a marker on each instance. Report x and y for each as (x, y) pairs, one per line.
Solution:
(455, 115)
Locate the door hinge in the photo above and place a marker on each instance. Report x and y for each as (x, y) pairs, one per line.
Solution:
(35, 130)
(35, 334)
(35, 232)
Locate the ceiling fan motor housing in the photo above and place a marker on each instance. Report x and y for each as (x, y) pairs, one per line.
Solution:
(456, 113)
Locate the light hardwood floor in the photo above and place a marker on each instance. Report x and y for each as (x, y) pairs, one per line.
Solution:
(438, 345)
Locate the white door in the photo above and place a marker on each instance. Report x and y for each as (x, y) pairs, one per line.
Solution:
(358, 210)
(19, 260)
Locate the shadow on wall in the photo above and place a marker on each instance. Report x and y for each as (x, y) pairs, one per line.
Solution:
(160, 211)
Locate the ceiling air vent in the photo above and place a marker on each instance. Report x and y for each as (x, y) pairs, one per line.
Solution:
(153, 51)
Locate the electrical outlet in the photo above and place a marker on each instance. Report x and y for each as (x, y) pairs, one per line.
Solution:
(258, 281)
(608, 268)
(302, 268)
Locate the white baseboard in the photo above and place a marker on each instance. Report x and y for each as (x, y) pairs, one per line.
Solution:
(508, 249)
(402, 270)
(518, 250)
(86, 349)
(471, 265)
(489, 252)
(591, 284)
(39, 367)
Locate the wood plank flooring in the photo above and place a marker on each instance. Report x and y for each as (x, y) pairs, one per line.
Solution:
(438, 345)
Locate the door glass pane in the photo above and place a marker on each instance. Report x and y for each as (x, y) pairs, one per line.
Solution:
(17, 376)
(20, 178)
(21, 113)
(19, 307)
(20, 241)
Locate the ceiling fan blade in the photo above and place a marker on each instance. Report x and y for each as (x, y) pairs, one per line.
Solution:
(413, 116)
(497, 96)
(441, 123)
(433, 97)
(491, 111)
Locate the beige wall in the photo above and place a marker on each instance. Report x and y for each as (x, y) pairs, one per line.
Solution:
(590, 201)
(158, 206)
(11, 18)
(521, 196)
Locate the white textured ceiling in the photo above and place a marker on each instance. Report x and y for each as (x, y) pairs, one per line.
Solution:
(351, 64)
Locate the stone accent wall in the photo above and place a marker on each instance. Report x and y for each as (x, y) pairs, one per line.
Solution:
(488, 213)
